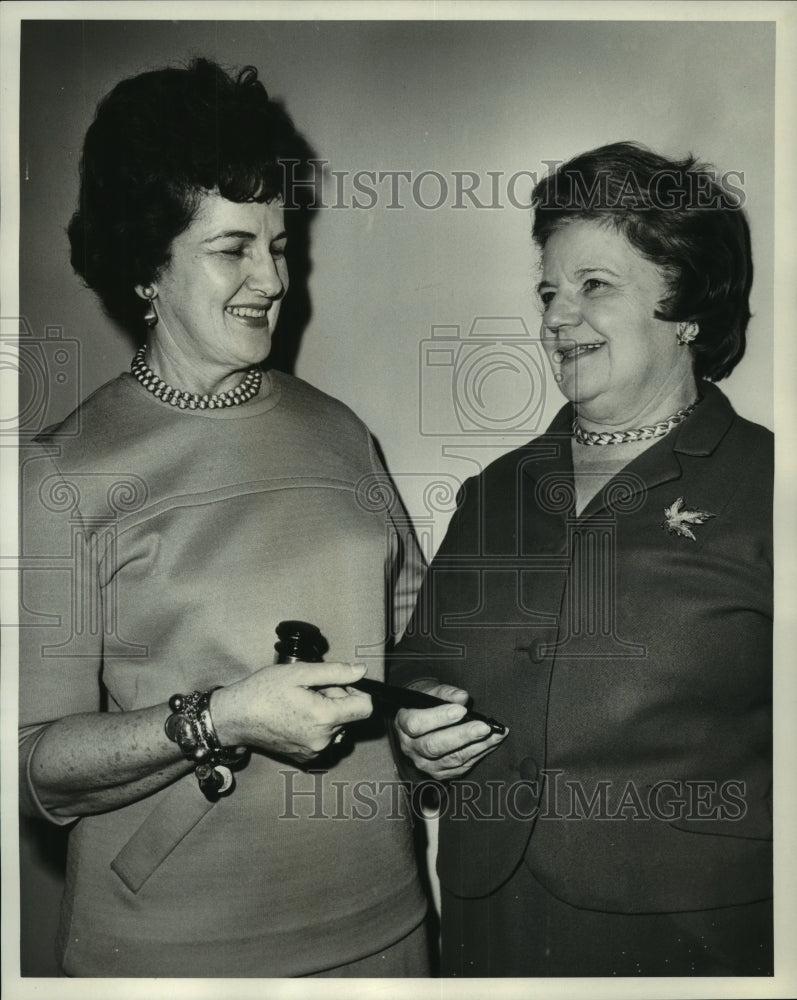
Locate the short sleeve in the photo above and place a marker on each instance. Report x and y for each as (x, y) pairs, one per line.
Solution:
(406, 561)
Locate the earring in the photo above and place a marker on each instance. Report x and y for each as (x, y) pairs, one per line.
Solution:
(150, 316)
(687, 332)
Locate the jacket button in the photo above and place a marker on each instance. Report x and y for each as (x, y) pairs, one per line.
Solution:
(535, 651)
(528, 768)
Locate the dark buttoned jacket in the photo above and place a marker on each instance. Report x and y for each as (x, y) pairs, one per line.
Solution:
(628, 650)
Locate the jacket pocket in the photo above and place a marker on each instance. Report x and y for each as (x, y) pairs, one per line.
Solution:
(170, 822)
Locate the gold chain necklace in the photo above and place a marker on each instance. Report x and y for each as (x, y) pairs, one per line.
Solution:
(644, 433)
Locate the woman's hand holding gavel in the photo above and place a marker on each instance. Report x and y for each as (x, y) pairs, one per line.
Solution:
(279, 710)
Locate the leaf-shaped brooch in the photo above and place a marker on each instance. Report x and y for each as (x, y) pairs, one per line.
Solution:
(677, 519)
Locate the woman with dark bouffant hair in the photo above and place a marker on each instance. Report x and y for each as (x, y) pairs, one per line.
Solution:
(173, 520)
(608, 591)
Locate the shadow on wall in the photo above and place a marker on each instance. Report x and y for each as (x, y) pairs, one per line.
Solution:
(296, 310)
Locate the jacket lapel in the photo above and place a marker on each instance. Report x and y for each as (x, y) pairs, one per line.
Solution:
(661, 463)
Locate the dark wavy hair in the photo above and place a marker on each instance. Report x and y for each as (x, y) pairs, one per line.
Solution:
(158, 143)
(679, 216)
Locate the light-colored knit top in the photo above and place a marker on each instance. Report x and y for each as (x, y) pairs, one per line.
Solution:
(160, 549)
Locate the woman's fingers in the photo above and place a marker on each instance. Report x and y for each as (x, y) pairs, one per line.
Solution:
(326, 674)
(330, 681)
(448, 692)
(437, 742)
(433, 743)
(416, 722)
(464, 759)
(444, 742)
(335, 692)
(349, 707)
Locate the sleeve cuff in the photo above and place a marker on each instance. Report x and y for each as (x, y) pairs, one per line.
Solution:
(29, 802)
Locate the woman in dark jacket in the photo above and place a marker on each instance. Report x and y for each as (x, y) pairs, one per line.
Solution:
(605, 591)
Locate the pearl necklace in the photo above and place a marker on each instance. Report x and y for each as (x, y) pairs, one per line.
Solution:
(645, 433)
(249, 387)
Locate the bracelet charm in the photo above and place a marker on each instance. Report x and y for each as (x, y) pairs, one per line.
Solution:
(191, 727)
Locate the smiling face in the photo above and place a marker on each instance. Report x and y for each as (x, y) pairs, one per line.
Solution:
(219, 297)
(614, 359)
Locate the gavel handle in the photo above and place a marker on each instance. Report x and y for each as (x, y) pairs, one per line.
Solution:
(402, 697)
